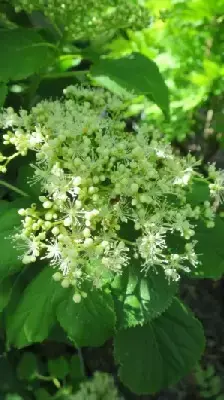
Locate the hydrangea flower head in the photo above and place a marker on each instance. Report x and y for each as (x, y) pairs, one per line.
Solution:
(99, 184)
(89, 18)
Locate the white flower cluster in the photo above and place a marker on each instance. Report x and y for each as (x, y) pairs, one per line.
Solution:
(89, 18)
(99, 184)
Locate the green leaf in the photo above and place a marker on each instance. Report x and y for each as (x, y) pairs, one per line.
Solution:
(10, 218)
(136, 73)
(90, 322)
(111, 85)
(42, 394)
(158, 354)
(76, 370)
(140, 298)
(13, 396)
(3, 93)
(210, 250)
(10, 261)
(25, 53)
(5, 292)
(27, 367)
(24, 181)
(218, 122)
(34, 315)
(8, 379)
(4, 205)
(199, 193)
(58, 367)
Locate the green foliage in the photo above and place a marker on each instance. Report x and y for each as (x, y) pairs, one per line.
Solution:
(58, 367)
(33, 317)
(211, 250)
(76, 369)
(25, 53)
(90, 322)
(5, 292)
(209, 382)
(27, 367)
(185, 40)
(138, 298)
(24, 182)
(163, 351)
(10, 261)
(218, 122)
(199, 193)
(3, 92)
(135, 73)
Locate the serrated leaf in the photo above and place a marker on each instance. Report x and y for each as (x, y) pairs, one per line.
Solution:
(3, 93)
(34, 315)
(158, 354)
(136, 73)
(140, 298)
(27, 367)
(90, 322)
(210, 250)
(58, 367)
(25, 53)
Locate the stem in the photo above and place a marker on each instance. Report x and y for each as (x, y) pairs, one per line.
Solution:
(81, 359)
(42, 44)
(127, 241)
(15, 189)
(48, 379)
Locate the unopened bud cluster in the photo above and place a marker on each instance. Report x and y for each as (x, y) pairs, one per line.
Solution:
(99, 184)
(89, 18)
(100, 386)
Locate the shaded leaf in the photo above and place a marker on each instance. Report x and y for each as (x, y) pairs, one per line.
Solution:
(210, 250)
(218, 122)
(24, 181)
(34, 315)
(76, 370)
(42, 394)
(27, 367)
(10, 260)
(5, 292)
(25, 53)
(199, 193)
(58, 367)
(3, 93)
(158, 354)
(90, 322)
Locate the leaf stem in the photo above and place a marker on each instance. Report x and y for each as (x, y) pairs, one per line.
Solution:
(48, 379)
(81, 359)
(14, 188)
